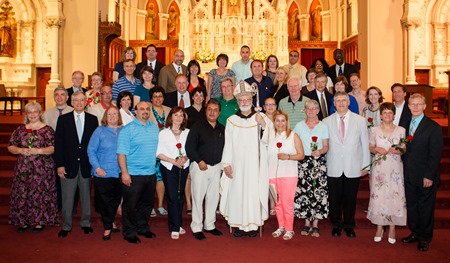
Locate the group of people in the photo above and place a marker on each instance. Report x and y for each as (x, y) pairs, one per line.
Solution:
(299, 138)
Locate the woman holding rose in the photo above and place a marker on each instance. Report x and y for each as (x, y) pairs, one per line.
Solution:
(311, 198)
(374, 98)
(174, 166)
(387, 203)
(284, 151)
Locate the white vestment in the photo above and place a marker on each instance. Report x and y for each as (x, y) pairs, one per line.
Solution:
(243, 200)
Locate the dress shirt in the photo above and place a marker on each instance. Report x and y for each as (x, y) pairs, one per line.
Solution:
(205, 142)
(178, 67)
(337, 69)
(81, 118)
(186, 99)
(418, 120)
(398, 113)
(242, 70)
(338, 121)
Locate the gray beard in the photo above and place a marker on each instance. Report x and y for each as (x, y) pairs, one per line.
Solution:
(245, 108)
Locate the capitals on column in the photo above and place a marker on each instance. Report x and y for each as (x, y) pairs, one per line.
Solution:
(411, 23)
(54, 21)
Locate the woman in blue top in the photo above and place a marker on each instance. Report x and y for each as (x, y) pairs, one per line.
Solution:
(105, 168)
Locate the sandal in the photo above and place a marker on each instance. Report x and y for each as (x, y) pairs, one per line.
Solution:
(182, 231)
(175, 235)
(288, 235)
(162, 211)
(305, 231)
(189, 212)
(22, 229)
(315, 232)
(279, 232)
(153, 214)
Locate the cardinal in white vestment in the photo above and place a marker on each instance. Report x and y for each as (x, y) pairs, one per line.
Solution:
(245, 185)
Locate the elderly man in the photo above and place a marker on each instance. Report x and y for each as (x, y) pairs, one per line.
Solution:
(127, 82)
(204, 147)
(60, 95)
(77, 80)
(421, 166)
(179, 97)
(245, 186)
(348, 153)
(264, 83)
(242, 67)
(136, 152)
(402, 111)
(296, 70)
(105, 101)
(168, 73)
(73, 131)
(228, 103)
(294, 104)
(321, 95)
(341, 68)
(151, 61)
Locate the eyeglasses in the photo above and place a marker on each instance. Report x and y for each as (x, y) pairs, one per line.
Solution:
(96, 80)
(270, 104)
(415, 104)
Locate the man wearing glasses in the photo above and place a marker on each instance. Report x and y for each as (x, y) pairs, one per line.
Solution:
(77, 81)
(296, 70)
(105, 101)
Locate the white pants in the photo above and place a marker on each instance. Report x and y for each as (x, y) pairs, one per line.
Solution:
(204, 185)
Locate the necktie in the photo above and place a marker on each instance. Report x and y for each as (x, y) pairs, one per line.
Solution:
(79, 128)
(340, 70)
(181, 104)
(179, 71)
(342, 128)
(323, 106)
(150, 64)
(60, 111)
(412, 127)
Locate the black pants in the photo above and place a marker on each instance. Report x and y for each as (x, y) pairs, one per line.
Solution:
(420, 203)
(107, 194)
(174, 185)
(342, 196)
(138, 202)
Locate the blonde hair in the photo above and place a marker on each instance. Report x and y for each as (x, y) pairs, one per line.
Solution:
(30, 106)
(282, 112)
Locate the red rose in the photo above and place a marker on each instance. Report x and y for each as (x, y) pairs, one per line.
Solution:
(410, 137)
(279, 144)
(97, 94)
(178, 145)
(89, 100)
(370, 120)
(29, 130)
(314, 138)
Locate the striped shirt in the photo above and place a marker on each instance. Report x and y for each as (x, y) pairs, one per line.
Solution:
(124, 84)
(139, 143)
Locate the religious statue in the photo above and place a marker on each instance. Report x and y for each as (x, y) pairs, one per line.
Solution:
(172, 23)
(294, 24)
(249, 8)
(6, 38)
(217, 7)
(233, 7)
(151, 19)
(316, 21)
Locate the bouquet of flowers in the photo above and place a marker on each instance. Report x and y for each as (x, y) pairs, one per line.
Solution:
(204, 55)
(92, 97)
(31, 138)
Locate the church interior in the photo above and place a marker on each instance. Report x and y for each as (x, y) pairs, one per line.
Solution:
(43, 41)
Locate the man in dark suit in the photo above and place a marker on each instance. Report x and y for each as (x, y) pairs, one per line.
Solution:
(341, 68)
(321, 95)
(169, 72)
(73, 131)
(77, 80)
(402, 112)
(421, 168)
(180, 97)
(151, 62)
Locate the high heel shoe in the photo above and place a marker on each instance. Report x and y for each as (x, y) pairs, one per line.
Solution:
(378, 238)
(391, 240)
(107, 237)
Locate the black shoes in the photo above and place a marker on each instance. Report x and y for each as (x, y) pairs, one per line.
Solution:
(133, 240)
(115, 230)
(63, 233)
(336, 232)
(350, 232)
(214, 231)
(87, 229)
(410, 239)
(22, 229)
(147, 234)
(423, 246)
(199, 236)
(107, 237)
(237, 233)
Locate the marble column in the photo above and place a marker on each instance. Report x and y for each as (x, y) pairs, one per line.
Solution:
(410, 26)
(55, 80)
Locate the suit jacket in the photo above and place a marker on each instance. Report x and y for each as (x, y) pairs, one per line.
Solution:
(70, 92)
(158, 66)
(328, 96)
(167, 77)
(350, 156)
(423, 153)
(405, 118)
(171, 99)
(69, 152)
(348, 69)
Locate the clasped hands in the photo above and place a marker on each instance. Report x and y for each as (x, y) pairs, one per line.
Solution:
(29, 151)
(180, 161)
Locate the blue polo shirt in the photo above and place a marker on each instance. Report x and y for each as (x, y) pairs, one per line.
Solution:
(138, 143)
(263, 88)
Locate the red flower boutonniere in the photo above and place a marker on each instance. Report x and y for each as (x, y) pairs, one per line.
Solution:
(410, 138)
